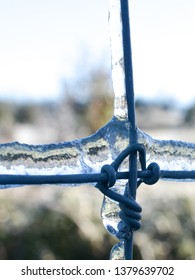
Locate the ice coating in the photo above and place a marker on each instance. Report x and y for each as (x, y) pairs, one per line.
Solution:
(89, 154)
(117, 252)
(169, 154)
(118, 77)
(86, 155)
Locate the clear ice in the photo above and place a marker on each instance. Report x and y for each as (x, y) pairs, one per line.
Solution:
(89, 154)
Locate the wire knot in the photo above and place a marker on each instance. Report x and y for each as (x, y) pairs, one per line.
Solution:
(130, 215)
(154, 174)
(129, 209)
(111, 175)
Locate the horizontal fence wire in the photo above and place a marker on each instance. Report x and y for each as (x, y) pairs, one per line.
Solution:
(90, 178)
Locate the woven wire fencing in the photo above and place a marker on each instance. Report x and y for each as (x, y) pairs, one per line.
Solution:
(103, 158)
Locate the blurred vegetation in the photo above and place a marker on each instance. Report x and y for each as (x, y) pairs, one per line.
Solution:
(46, 234)
(168, 228)
(36, 223)
(190, 115)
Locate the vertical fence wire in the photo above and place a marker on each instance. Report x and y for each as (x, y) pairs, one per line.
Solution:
(128, 69)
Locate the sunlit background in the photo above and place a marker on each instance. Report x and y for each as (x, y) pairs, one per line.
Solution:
(54, 70)
(44, 42)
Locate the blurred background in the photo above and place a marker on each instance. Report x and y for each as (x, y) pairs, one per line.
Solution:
(54, 70)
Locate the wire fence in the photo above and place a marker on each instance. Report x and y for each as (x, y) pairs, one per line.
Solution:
(110, 173)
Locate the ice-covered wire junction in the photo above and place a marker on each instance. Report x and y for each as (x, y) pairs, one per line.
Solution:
(103, 158)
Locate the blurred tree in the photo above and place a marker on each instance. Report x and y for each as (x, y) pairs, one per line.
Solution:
(100, 107)
(6, 120)
(91, 98)
(26, 113)
(190, 115)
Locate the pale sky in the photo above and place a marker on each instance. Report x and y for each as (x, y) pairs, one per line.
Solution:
(42, 42)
